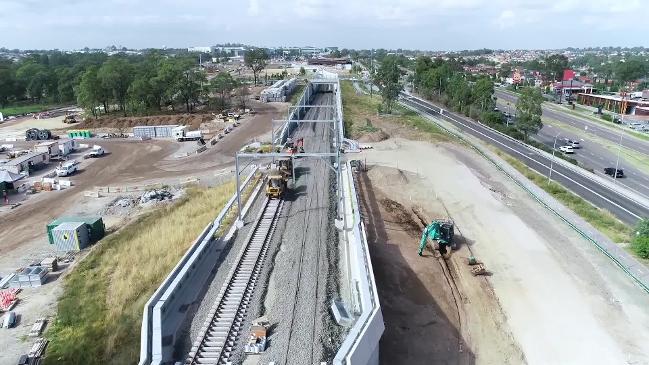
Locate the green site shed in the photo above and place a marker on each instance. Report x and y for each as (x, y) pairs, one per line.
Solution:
(96, 228)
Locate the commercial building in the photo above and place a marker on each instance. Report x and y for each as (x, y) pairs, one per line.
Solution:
(616, 104)
(202, 49)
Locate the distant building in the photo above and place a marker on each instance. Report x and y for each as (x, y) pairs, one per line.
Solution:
(570, 87)
(232, 51)
(200, 49)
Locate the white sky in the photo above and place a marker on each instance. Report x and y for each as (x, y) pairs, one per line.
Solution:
(412, 24)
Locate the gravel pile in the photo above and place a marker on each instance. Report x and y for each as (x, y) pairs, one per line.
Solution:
(125, 205)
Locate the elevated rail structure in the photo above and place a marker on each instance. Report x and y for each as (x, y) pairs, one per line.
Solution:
(220, 337)
(231, 306)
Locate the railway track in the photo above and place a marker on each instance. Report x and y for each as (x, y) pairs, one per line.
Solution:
(226, 318)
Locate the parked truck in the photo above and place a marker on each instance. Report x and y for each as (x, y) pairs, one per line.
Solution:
(96, 151)
(181, 134)
(67, 168)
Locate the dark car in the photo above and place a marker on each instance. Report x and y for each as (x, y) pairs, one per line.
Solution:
(611, 171)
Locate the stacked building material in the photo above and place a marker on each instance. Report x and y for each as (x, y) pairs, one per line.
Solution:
(279, 91)
(8, 298)
(29, 277)
(157, 131)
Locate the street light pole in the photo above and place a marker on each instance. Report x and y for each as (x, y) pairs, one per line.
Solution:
(617, 162)
(554, 149)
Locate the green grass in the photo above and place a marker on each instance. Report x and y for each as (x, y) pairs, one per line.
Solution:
(358, 109)
(297, 94)
(18, 110)
(99, 314)
(601, 219)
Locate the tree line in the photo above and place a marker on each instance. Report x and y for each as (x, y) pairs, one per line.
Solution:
(446, 82)
(129, 84)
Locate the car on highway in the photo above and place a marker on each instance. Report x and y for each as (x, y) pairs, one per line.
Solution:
(612, 172)
(566, 149)
(575, 144)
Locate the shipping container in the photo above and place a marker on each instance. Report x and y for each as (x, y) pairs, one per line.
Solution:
(95, 224)
(71, 236)
(158, 131)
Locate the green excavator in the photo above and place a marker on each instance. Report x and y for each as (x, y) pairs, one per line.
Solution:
(438, 230)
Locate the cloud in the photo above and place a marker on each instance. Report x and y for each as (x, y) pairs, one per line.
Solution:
(425, 24)
(253, 7)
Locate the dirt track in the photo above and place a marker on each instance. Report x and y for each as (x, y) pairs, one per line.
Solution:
(127, 162)
(551, 293)
(427, 305)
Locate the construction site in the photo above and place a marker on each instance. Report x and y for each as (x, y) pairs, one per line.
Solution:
(403, 249)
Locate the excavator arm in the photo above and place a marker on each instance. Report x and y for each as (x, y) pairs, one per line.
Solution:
(431, 231)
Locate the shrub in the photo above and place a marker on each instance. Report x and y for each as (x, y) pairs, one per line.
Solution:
(607, 117)
(640, 246)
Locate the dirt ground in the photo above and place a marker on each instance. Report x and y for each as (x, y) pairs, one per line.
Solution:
(428, 303)
(128, 162)
(550, 297)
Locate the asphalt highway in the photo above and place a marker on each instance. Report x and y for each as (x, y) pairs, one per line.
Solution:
(592, 154)
(599, 195)
(583, 123)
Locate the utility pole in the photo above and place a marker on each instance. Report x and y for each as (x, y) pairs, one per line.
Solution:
(371, 72)
(554, 149)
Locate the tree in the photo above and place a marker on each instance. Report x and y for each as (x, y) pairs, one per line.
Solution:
(483, 94)
(387, 78)
(243, 92)
(189, 87)
(7, 82)
(256, 59)
(223, 84)
(116, 75)
(303, 71)
(528, 111)
(630, 70)
(87, 95)
(554, 66)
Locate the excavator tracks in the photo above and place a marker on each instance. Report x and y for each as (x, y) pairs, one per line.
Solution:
(225, 319)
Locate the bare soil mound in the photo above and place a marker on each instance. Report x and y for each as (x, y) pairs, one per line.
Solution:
(376, 136)
(192, 120)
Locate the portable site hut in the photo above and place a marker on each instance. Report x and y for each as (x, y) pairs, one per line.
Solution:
(95, 226)
(66, 146)
(26, 163)
(7, 180)
(71, 236)
(49, 147)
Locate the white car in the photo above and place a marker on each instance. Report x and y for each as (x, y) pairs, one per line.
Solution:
(575, 144)
(566, 149)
